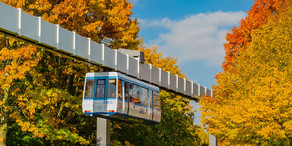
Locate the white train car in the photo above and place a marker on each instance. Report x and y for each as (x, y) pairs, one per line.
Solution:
(116, 96)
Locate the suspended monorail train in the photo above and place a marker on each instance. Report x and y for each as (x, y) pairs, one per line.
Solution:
(113, 95)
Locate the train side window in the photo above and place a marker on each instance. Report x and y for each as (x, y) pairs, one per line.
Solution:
(120, 85)
(144, 97)
(100, 88)
(136, 94)
(151, 98)
(111, 88)
(89, 89)
(156, 100)
(126, 91)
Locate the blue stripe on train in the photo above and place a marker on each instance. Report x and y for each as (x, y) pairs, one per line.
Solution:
(100, 113)
(112, 113)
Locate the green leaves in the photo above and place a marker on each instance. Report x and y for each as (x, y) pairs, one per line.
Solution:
(50, 113)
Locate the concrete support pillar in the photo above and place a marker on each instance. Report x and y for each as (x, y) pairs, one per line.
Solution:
(212, 140)
(102, 132)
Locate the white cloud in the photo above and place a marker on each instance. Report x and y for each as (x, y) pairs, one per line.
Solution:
(165, 22)
(197, 37)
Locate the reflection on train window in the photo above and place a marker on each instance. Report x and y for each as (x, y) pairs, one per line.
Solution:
(156, 100)
(144, 97)
(100, 88)
(135, 95)
(111, 88)
(131, 86)
(89, 89)
(120, 83)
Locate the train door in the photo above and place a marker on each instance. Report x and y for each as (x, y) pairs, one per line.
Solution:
(99, 96)
(126, 97)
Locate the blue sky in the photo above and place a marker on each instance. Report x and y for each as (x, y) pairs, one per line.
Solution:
(193, 31)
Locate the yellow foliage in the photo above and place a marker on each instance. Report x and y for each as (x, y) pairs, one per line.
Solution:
(252, 102)
(41, 135)
(19, 62)
(50, 121)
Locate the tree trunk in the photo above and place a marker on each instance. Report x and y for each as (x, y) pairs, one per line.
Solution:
(3, 128)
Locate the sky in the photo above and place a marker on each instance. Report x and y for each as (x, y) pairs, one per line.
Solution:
(193, 31)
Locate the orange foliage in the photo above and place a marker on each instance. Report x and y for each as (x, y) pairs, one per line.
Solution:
(241, 35)
(18, 62)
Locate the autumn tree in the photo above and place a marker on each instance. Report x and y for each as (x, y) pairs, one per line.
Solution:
(16, 60)
(254, 107)
(240, 36)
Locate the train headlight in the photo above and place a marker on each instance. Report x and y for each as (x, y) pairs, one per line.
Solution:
(87, 111)
(111, 111)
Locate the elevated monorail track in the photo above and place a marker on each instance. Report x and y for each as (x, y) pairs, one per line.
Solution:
(25, 27)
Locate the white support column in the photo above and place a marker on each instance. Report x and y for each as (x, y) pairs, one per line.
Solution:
(159, 69)
(128, 63)
(102, 54)
(150, 73)
(57, 35)
(40, 29)
(89, 47)
(74, 42)
(185, 86)
(192, 88)
(168, 79)
(102, 132)
(138, 69)
(19, 21)
(176, 83)
(116, 59)
(199, 92)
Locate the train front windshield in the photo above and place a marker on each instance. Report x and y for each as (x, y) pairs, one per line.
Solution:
(96, 88)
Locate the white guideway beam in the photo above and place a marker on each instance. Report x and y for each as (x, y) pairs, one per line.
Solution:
(23, 26)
